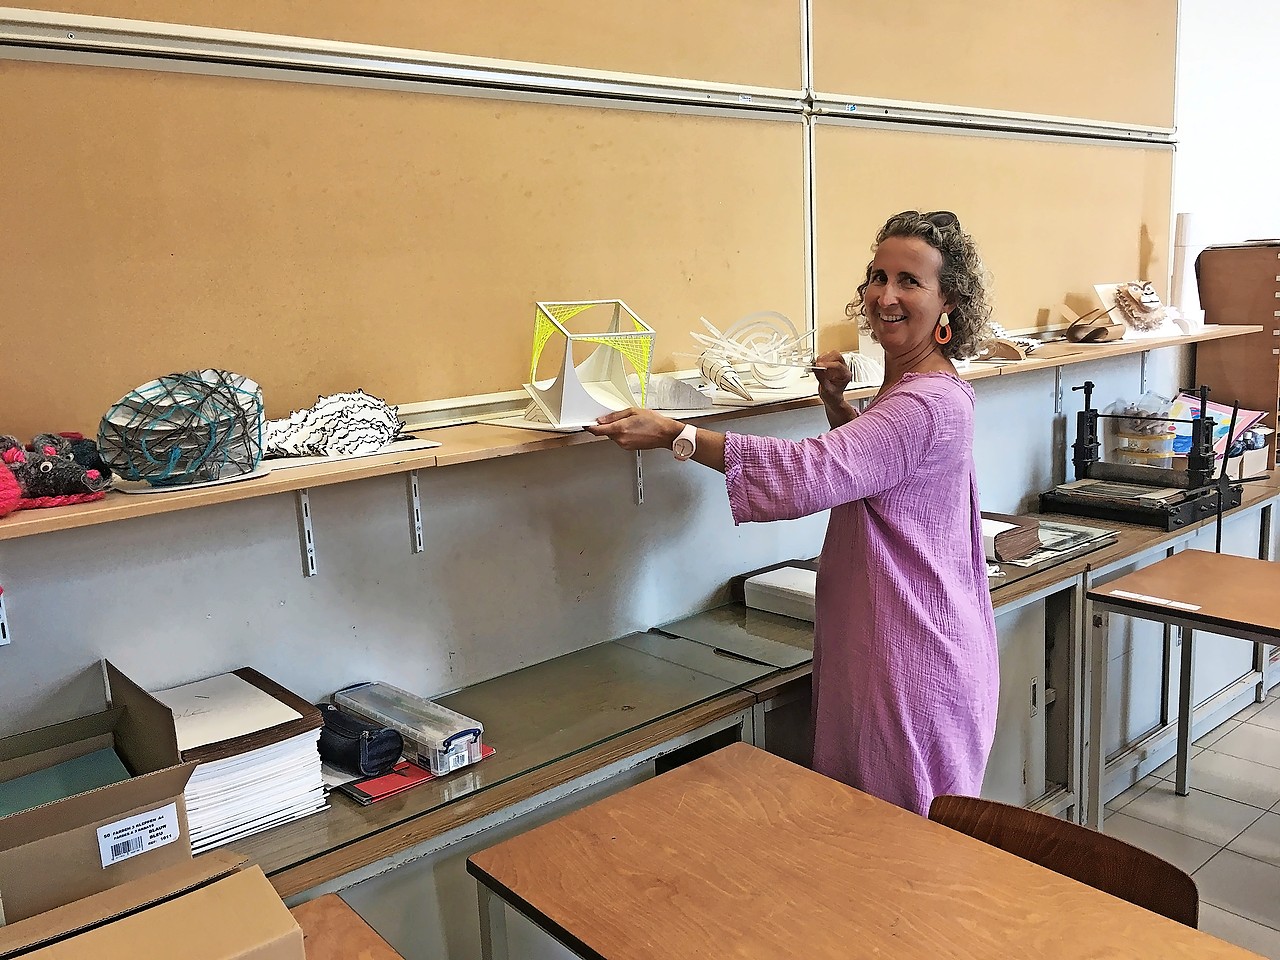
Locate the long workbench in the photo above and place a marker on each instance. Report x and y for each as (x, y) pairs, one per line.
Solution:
(558, 721)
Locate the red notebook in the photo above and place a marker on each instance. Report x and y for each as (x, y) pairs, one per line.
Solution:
(403, 775)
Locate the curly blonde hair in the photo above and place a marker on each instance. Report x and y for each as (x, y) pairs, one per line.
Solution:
(962, 277)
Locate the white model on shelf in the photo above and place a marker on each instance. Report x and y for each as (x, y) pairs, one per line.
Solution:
(577, 395)
(766, 346)
(766, 351)
(720, 374)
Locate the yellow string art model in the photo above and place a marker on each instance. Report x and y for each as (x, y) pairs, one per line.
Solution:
(577, 395)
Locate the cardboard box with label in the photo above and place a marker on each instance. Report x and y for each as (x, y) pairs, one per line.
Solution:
(209, 908)
(1251, 463)
(90, 805)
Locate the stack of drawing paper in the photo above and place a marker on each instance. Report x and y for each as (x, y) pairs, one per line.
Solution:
(257, 744)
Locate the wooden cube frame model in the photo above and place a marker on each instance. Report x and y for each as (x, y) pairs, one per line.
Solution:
(577, 395)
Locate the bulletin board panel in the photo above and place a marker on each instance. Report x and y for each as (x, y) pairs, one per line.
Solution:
(320, 238)
(1089, 59)
(750, 42)
(1051, 218)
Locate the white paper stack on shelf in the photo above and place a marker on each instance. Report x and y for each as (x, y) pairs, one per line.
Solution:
(259, 756)
(787, 591)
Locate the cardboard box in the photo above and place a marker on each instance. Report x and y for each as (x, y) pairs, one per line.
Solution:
(1250, 463)
(72, 918)
(235, 916)
(81, 845)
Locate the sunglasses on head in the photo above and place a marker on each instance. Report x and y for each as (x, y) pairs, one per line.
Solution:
(941, 218)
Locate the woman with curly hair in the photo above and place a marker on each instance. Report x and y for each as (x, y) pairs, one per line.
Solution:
(905, 664)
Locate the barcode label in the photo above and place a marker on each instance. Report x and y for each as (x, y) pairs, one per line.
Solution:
(138, 834)
(126, 848)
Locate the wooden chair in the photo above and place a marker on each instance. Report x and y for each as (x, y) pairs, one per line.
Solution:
(1102, 862)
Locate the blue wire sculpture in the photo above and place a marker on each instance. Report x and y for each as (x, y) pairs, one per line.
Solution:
(185, 428)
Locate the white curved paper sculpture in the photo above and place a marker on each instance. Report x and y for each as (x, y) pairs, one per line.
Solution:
(765, 345)
(720, 373)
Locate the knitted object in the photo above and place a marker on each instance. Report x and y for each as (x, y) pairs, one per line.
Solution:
(340, 425)
(48, 476)
(83, 450)
(10, 492)
(185, 428)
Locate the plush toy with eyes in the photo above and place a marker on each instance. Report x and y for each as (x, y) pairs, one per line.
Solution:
(48, 474)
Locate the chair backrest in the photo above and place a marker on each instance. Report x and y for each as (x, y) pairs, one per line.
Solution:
(1102, 862)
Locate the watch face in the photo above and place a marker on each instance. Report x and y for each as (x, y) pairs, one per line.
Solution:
(682, 448)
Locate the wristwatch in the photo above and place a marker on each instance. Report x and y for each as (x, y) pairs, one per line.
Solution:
(684, 444)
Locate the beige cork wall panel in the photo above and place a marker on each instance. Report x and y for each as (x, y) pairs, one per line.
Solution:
(1088, 59)
(321, 238)
(1051, 218)
(749, 42)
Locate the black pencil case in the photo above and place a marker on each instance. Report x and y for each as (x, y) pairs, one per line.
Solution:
(358, 746)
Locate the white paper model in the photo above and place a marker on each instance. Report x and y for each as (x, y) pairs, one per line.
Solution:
(577, 395)
(766, 345)
(720, 373)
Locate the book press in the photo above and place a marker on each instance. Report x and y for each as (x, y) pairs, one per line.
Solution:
(1157, 496)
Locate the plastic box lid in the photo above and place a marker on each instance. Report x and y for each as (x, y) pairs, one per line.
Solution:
(423, 721)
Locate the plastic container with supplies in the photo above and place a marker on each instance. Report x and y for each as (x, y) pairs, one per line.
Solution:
(1161, 443)
(443, 739)
(1141, 458)
(1144, 449)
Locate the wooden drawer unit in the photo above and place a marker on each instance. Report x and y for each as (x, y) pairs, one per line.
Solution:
(1240, 284)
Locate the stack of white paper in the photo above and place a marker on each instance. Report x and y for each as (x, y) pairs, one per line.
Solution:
(242, 792)
(788, 591)
(242, 795)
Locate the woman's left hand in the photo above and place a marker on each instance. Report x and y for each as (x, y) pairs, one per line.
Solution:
(637, 429)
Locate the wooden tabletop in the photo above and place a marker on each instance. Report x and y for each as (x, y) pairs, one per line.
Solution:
(742, 854)
(331, 930)
(1217, 589)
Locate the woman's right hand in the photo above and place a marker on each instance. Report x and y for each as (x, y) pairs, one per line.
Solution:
(833, 378)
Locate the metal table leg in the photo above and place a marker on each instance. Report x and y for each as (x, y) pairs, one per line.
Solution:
(493, 925)
(1095, 754)
(1186, 684)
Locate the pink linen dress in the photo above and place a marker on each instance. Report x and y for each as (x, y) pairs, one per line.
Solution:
(905, 664)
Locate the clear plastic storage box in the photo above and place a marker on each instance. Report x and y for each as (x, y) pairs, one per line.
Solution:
(443, 739)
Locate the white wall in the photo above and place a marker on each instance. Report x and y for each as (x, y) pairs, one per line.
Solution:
(1228, 141)
(527, 558)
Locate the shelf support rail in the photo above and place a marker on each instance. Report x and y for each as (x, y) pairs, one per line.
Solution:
(415, 513)
(303, 499)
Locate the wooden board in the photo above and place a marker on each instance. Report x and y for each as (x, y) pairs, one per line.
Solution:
(1051, 219)
(756, 43)
(1089, 59)
(1206, 589)
(322, 238)
(331, 930)
(742, 854)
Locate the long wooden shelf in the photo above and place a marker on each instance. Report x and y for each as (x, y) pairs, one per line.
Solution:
(1102, 351)
(475, 442)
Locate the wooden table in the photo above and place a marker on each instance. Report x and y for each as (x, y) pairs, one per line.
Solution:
(742, 854)
(331, 930)
(1192, 590)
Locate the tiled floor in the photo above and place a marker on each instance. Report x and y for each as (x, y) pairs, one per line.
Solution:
(1227, 832)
